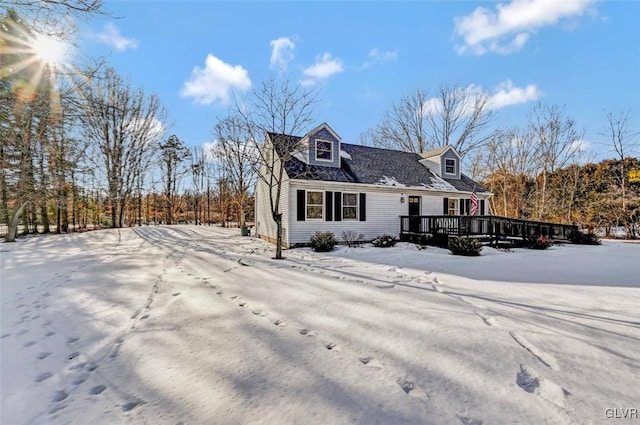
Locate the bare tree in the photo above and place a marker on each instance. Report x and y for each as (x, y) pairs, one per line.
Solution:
(557, 140)
(282, 109)
(509, 164)
(457, 116)
(124, 124)
(623, 139)
(405, 125)
(54, 18)
(237, 153)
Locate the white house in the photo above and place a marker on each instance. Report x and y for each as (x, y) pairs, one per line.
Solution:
(335, 186)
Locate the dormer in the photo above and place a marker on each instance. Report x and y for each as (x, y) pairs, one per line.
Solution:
(321, 147)
(443, 162)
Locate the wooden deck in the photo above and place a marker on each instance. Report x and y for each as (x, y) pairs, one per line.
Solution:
(485, 227)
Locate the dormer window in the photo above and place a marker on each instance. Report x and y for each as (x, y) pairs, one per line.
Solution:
(450, 166)
(324, 150)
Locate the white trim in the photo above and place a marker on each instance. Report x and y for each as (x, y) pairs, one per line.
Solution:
(357, 206)
(457, 205)
(330, 151)
(454, 166)
(306, 205)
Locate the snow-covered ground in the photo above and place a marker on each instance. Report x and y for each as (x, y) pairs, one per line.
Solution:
(197, 325)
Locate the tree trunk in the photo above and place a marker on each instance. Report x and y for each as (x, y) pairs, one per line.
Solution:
(13, 225)
(278, 220)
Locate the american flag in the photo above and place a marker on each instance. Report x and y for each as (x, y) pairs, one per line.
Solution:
(474, 202)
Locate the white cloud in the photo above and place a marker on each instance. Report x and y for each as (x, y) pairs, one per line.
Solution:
(507, 29)
(379, 57)
(324, 67)
(281, 52)
(210, 150)
(111, 37)
(215, 81)
(580, 145)
(152, 128)
(506, 95)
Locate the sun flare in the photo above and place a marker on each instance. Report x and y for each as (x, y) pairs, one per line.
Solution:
(50, 51)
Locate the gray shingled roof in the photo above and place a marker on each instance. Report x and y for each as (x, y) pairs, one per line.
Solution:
(384, 167)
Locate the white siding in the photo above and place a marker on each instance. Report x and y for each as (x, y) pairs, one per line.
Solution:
(383, 210)
(265, 225)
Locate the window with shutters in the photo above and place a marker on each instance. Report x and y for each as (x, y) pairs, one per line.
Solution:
(452, 208)
(349, 206)
(315, 205)
(324, 150)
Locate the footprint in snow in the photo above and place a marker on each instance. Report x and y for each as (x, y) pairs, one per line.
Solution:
(370, 362)
(146, 316)
(332, 347)
(72, 340)
(80, 379)
(469, 421)
(279, 322)
(132, 405)
(242, 304)
(43, 355)
(50, 333)
(176, 294)
(29, 344)
(97, 389)
(5, 335)
(411, 389)
(43, 377)
(59, 395)
(73, 355)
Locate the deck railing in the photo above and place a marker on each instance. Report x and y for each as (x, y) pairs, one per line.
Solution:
(493, 227)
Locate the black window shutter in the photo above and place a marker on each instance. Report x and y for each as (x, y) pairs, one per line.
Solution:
(467, 206)
(445, 206)
(363, 207)
(337, 196)
(328, 208)
(301, 205)
(482, 211)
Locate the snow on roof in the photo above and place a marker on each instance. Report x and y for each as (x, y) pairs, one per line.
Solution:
(390, 181)
(345, 155)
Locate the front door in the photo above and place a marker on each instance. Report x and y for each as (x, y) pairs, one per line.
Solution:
(414, 214)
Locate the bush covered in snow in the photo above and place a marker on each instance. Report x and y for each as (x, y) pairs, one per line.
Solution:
(539, 242)
(351, 238)
(578, 237)
(384, 241)
(323, 241)
(465, 246)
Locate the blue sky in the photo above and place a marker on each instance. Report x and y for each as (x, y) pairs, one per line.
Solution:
(362, 56)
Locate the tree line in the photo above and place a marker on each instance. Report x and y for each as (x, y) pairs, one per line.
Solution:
(88, 149)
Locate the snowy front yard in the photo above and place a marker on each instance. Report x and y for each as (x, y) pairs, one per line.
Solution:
(196, 325)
